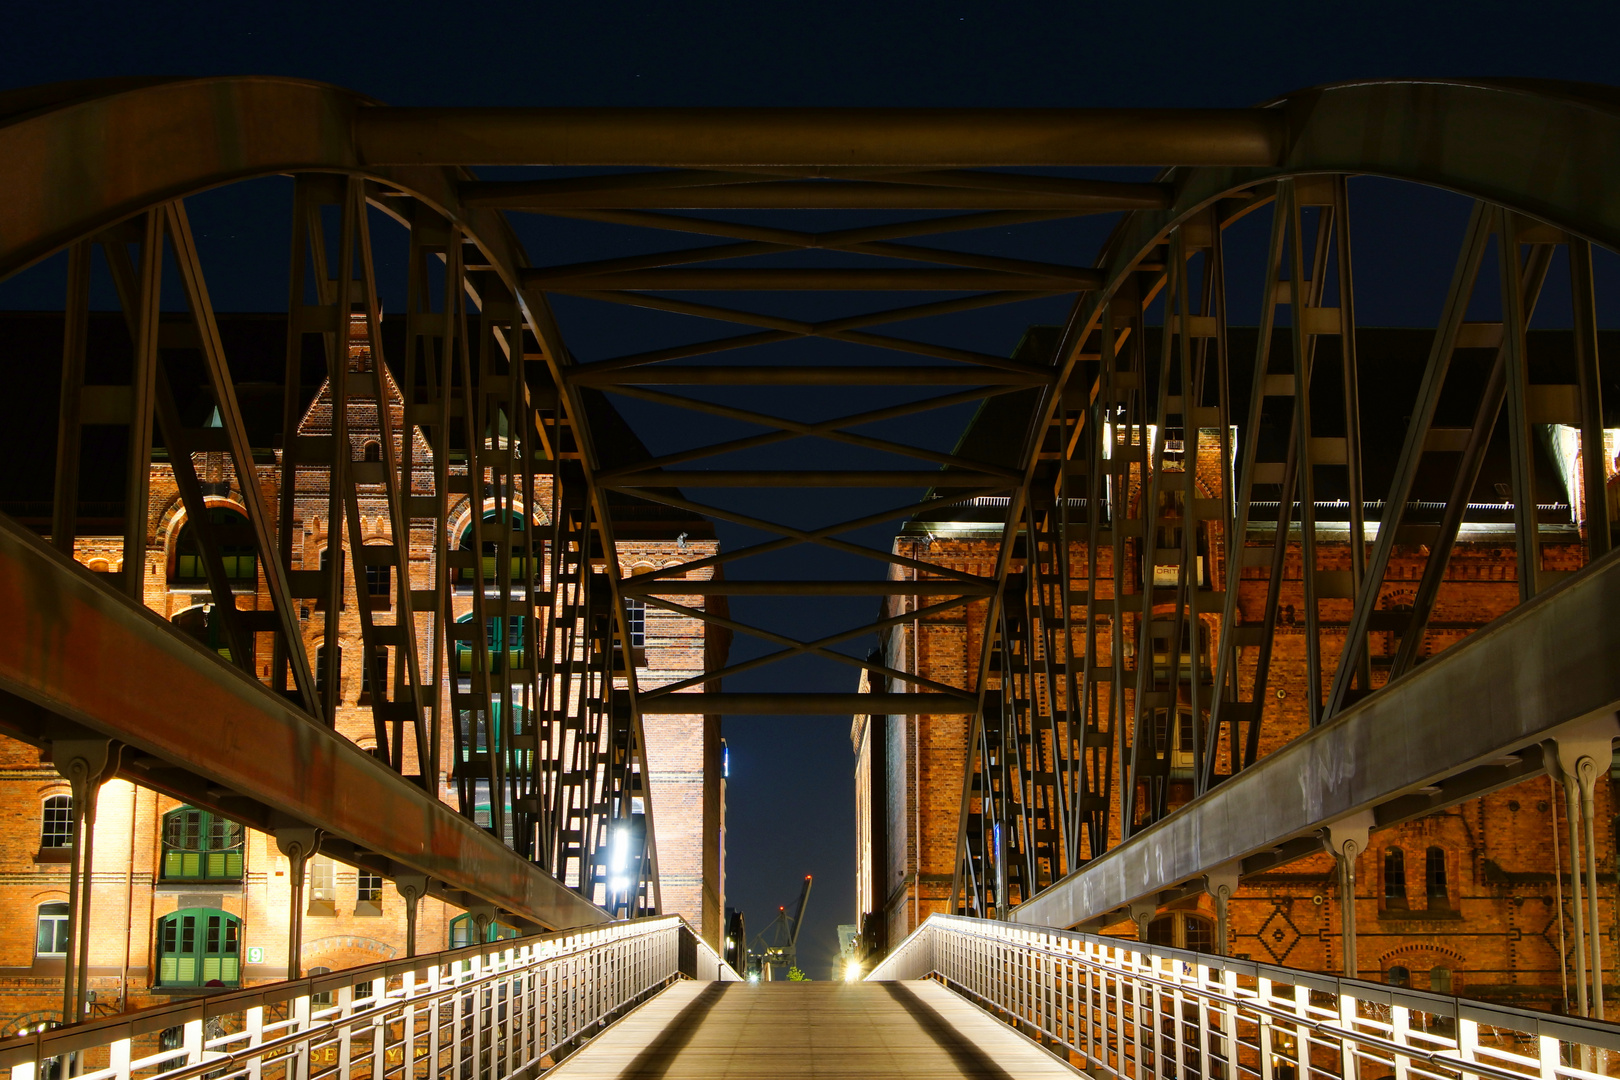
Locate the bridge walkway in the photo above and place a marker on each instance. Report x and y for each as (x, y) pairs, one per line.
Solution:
(809, 1029)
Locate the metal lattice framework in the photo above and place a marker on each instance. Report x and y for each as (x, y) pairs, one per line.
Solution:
(1065, 755)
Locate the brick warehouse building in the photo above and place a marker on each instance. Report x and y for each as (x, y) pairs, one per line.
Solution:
(1465, 901)
(158, 862)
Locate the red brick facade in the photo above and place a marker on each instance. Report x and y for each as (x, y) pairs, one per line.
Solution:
(1493, 928)
(131, 891)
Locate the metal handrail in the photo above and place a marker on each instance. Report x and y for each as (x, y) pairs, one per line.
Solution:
(499, 1008)
(1135, 1011)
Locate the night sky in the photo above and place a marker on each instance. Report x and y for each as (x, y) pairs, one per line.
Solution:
(790, 796)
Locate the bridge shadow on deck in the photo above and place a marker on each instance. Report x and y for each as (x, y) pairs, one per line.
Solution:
(730, 1030)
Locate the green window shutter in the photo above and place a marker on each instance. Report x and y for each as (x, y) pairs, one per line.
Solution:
(169, 971)
(185, 970)
(191, 864)
(233, 864)
(229, 970)
(216, 864)
(210, 968)
(171, 864)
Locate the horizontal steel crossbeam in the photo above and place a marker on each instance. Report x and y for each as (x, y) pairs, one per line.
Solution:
(721, 138)
(807, 704)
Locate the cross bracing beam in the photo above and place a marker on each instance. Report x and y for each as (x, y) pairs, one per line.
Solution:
(1469, 720)
(97, 664)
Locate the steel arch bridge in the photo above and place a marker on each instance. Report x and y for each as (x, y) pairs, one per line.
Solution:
(1064, 814)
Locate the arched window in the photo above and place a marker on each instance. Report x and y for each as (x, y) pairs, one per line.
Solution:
(203, 622)
(51, 930)
(56, 823)
(1434, 874)
(1394, 878)
(234, 535)
(372, 451)
(517, 563)
(464, 932)
(197, 946)
(1440, 980)
(199, 845)
(1398, 976)
(509, 633)
(1180, 930)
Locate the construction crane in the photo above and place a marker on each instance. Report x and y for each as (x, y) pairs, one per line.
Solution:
(777, 946)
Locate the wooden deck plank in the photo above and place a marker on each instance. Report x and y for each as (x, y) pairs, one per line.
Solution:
(839, 1031)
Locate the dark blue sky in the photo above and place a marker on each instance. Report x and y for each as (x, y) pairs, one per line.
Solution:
(790, 793)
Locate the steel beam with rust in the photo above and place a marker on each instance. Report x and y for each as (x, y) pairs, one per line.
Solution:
(100, 662)
(788, 704)
(799, 478)
(798, 278)
(721, 138)
(1441, 735)
(636, 586)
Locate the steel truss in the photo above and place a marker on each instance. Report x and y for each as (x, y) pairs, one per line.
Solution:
(1111, 614)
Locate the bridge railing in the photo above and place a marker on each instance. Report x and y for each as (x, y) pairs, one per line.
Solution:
(487, 1012)
(1135, 1012)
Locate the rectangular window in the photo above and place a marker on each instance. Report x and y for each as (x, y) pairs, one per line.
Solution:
(636, 617)
(368, 894)
(322, 886)
(52, 936)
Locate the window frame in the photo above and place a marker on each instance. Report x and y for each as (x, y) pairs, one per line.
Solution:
(364, 905)
(1394, 897)
(60, 917)
(319, 905)
(213, 934)
(186, 568)
(57, 801)
(214, 861)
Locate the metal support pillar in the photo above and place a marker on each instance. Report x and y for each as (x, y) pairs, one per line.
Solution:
(412, 887)
(483, 915)
(1575, 761)
(84, 764)
(299, 845)
(1222, 884)
(1142, 912)
(1347, 838)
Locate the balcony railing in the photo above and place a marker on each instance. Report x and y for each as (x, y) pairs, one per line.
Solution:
(1135, 1012)
(492, 1011)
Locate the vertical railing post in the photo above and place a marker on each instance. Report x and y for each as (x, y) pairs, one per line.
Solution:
(253, 1024)
(1263, 996)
